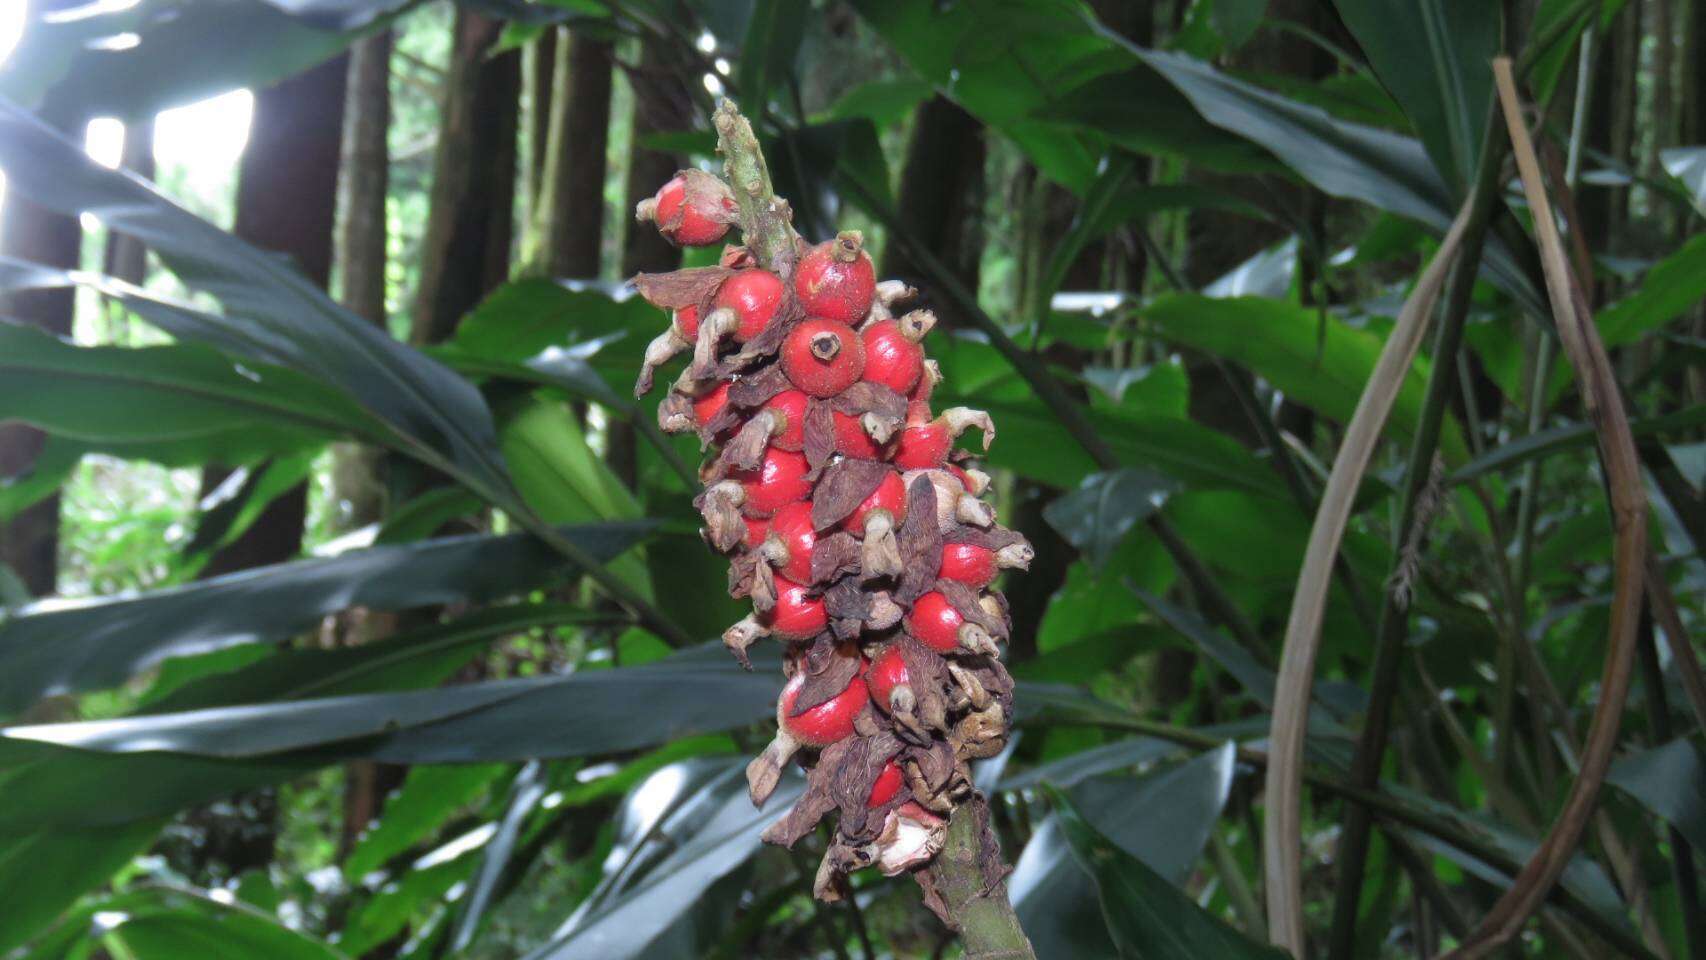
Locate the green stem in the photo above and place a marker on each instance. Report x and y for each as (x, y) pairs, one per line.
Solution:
(766, 223)
(988, 928)
(1394, 619)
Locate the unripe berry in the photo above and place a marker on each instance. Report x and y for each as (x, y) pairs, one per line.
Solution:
(791, 405)
(788, 547)
(968, 563)
(823, 357)
(754, 296)
(825, 723)
(835, 279)
(694, 209)
(886, 674)
(887, 787)
(779, 480)
(893, 356)
(797, 616)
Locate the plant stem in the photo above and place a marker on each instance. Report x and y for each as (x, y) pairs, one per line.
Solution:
(1681, 852)
(988, 928)
(765, 222)
(1394, 618)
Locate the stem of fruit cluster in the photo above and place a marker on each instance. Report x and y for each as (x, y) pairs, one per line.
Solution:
(766, 222)
(988, 928)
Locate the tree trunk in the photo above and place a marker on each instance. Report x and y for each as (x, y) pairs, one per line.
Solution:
(941, 199)
(287, 187)
(358, 487)
(572, 200)
(541, 68)
(466, 249)
(29, 542)
(126, 258)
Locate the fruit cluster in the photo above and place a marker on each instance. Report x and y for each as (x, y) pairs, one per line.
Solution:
(851, 522)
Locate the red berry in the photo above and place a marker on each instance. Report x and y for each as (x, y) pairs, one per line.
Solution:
(825, 723)
(791, 404)
(923, 446)
(792, 532)
(890, 495)
(971, 565)
(797, 616)
(687, 322)
(893, 356)
(835, 279)
(754, 295)
(935, 622)
(756, 530)
(823, 357)
(851, 439)
(694, 209)
(886, 672)
(887, 787)
(706, 407)
(778, 481)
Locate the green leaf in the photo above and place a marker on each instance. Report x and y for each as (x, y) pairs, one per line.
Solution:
(707, 835)
(45, 475)
(1057, 903)
(46, 650)
(179, 56)
(1670, 781)
(1436, 58)
(276, 315)
(1146, 916)
(178, 405)
(173, 924)
(1688, 166)
(242, 498)
(1570, 436)
(883, 102)
(44, 872)
(772, 42)
(1069, 770)
(428, 796)
(1104, 508)
(1256, 679)
(1385, 170)
(528, 788)
(1315, 359)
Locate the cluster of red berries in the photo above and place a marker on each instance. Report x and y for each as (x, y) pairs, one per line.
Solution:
(851, 523)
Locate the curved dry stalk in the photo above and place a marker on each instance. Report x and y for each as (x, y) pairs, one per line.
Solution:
(1282, 842)
(1629, 510)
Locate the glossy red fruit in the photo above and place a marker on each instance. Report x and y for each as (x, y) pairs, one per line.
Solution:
(687, 322)
(756, 530)
(791, 404)
(707, 406)
(794, 538)
(935, 622)
(887, 787)
(823, 357)
(755, 296)
(779, 480)
(851, 439)
(968, 563)
(893, 356)
(885, 673)
(836, 280)
(797, 616)
(694, 209)
(890, 495)
(825, 723)
(922, 445)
